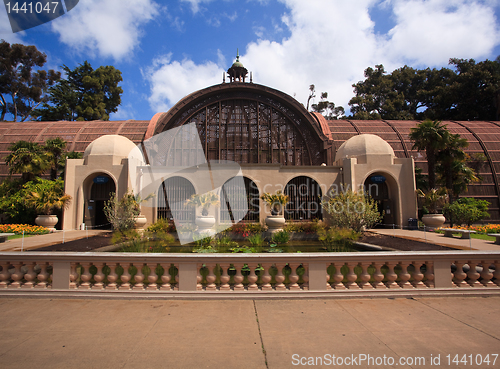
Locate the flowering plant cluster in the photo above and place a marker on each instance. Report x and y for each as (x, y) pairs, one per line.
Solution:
(246, 229)
(485, 228)
(19, 228)
(304, 227)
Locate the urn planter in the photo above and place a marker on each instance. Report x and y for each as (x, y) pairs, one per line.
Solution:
(275, 223)
(140, 222)
(205, 224)
(47, 221)
(433, 220)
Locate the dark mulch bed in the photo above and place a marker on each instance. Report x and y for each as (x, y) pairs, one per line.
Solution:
(81, 245)
(397, 243)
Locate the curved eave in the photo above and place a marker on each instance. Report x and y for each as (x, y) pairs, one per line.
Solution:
(226, 91)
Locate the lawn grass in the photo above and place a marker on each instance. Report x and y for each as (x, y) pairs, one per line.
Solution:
(16, 236)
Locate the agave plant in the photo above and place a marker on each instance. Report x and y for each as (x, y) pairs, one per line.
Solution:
(433, 199)
(276, 202)
(48, 196)
(204, 201)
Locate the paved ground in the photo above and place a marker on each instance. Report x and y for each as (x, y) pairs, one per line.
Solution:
(59, 333)
(440, 239)
(35, 242)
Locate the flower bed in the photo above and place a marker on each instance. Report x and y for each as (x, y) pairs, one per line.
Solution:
(19, 228)
(484, 229)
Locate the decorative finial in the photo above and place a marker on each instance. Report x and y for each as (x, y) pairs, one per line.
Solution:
(237, 54)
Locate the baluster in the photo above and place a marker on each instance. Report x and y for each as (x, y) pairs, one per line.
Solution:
(17, 275)
(294, 277)
(429, 274)
(266, 277)
(305, 277)
(338, 277)
(30, 276)
(43, 276)
(378, 276)
(459, 275)
(125, 277)
(252, 277)
(496, 275)
(152, 277)
(392, 276)
(224, 278)
(5, 275)
(199, 278)
(365, 276)
(112, 277)
(98, 277)
(139, 278)
(417, 275)
(352, 276)
(473, 275)
(166, 278)
(404, 276)
(486, 274)
(238, 278)
(280, 278)
(176, 288)
(211, 286)
(85, 277)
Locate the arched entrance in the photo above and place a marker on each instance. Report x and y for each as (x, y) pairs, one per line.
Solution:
(100, 191)
(376, 186)
(235, 206)
(172, 194)
(304, 199)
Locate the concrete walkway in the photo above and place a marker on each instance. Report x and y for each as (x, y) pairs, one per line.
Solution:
(35, 242)
(440, 239)
(59, 333)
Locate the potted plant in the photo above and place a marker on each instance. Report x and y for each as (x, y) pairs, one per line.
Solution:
(46, 197)
(277, 202)
(432, 200)
(205, 222)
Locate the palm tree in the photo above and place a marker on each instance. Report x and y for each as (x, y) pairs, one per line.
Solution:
(28, 159)
(450, 157)
(428, 136)
(55, 148)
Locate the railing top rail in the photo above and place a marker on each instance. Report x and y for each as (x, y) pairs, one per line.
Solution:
(257, 258)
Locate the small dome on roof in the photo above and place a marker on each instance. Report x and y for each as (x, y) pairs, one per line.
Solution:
(365, 144)
(114, 145)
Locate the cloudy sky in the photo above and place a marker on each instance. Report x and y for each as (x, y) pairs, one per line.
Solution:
(168, 49)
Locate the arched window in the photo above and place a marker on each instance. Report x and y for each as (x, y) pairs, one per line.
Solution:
(304, 199)
(236, 200)
(172, 194)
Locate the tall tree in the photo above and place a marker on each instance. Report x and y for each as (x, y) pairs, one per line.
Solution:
(22, 89)
(55, 149)
(328, 109)
(85, 94)
(428, 136)
(28, 159)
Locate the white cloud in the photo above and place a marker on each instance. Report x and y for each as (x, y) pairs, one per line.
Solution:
(432, 31)
(331, 43)
(195, 4)
(172, 80)
(109, 28)
(5, 30)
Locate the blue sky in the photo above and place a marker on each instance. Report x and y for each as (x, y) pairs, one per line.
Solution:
(168, 49)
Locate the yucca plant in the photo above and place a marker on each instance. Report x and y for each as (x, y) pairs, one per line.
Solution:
(433, 199)
(276, 202)
(204, 201)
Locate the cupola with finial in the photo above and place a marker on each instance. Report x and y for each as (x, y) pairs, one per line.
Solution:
(237, 72)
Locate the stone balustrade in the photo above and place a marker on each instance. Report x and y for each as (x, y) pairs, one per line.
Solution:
(254, 274)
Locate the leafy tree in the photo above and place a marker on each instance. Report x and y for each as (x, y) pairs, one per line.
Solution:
(428, 136)
(28, 159)
(121, 213)
(328, 109)
(85, 94)
(353, 210)
(22, 89)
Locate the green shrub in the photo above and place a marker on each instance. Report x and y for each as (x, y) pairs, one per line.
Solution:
(256, 239)
(467, 210)
(352, 210)
(304, 227)
(121, 213)
(162, 225)
(281, 237)
(338, 239)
